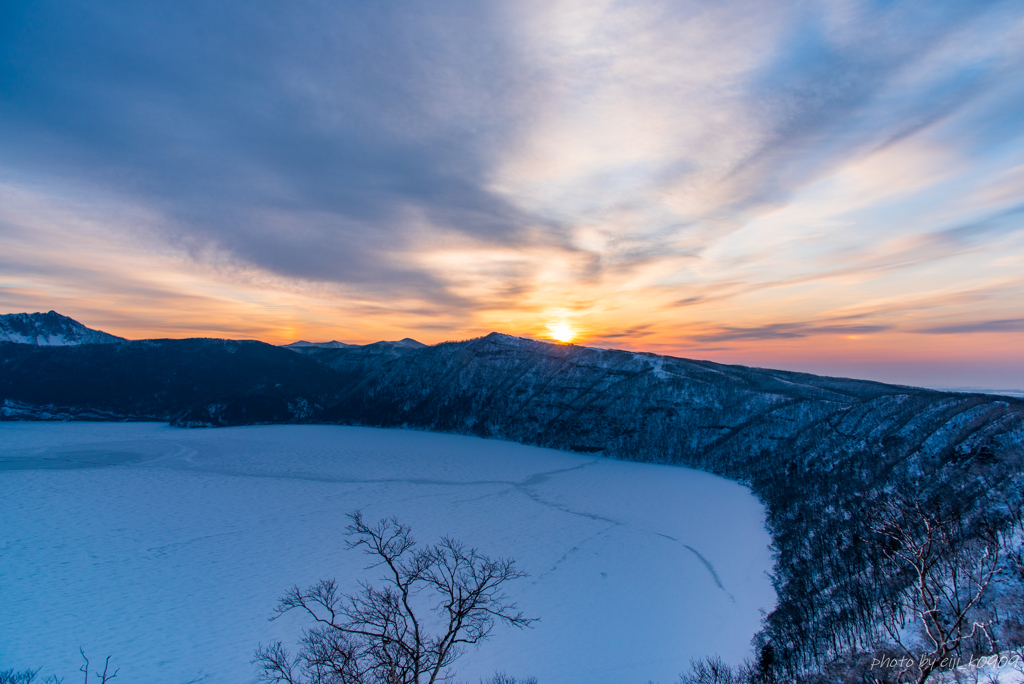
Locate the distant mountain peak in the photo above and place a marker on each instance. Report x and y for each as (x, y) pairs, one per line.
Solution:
(50, 329)
(333, 344)
(409, 343)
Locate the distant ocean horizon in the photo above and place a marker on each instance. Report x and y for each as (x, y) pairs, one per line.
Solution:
(1019, 394)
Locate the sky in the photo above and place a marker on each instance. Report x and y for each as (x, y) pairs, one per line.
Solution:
(830, 186)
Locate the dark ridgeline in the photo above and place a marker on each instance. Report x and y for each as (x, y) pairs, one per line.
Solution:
(818, 451)
(215, 382)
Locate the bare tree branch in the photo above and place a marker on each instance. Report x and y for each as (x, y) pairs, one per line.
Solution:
(949, 567)
(378, 635)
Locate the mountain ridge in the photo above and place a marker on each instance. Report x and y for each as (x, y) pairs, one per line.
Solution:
(379, 369)
(50, 329)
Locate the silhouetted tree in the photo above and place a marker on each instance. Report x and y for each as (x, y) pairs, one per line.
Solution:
(712, 670)
(502, 678)
(392, 635)
(29, 676)
(104, 676)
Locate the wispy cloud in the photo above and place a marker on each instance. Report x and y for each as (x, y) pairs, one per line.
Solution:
(785, 331)
(672, 173)
(1004, 325)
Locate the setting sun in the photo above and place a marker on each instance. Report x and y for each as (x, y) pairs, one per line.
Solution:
(562, 332)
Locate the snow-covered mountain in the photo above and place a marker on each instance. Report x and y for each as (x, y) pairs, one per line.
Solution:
(50, 329)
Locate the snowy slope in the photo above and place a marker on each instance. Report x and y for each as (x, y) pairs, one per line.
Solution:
(172, 556)
(50, 329)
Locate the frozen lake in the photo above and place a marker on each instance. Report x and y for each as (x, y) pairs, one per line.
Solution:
(169, 548)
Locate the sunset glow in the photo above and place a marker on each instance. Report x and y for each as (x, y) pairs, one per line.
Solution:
(834, 188)
(562, 332)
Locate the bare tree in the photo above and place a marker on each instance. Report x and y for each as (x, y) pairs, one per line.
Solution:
(502, 678)
(711, 670)
(104, 676)
(18, 676)
(435, 601)
(948, 567)
(29, 676)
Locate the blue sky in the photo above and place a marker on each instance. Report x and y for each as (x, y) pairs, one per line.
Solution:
(829, 186)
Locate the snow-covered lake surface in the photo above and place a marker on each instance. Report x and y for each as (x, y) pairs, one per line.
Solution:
(169, 548)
